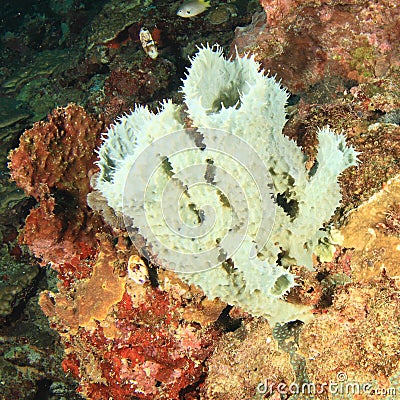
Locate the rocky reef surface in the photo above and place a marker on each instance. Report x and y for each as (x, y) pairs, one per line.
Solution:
(82, 315)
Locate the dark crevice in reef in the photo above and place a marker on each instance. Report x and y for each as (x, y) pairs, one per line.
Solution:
(226, 322)
(151, 268)
(19, 310)
(43, 391)
(193, 388)
(328, 291)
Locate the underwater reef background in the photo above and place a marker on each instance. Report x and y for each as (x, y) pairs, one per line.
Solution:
(81, 314)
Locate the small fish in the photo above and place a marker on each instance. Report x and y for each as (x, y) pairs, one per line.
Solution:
(191, 8)
(148, 44)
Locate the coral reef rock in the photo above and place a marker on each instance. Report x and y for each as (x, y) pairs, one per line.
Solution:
(356, 341)
(373, 231)
(243, 360)
(303, 41)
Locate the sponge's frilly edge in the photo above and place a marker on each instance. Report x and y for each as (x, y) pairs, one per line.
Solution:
(236, 97)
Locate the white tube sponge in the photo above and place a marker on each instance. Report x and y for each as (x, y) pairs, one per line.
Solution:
(124, 142)
(333, 157)
(201, 198)
(233, 96)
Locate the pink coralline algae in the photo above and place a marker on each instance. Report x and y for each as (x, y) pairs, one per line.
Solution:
(303, 41)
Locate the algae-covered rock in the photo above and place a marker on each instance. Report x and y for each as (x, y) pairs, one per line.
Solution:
(115, 16)
(17, 279)
(12, 111)
(45, 63)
